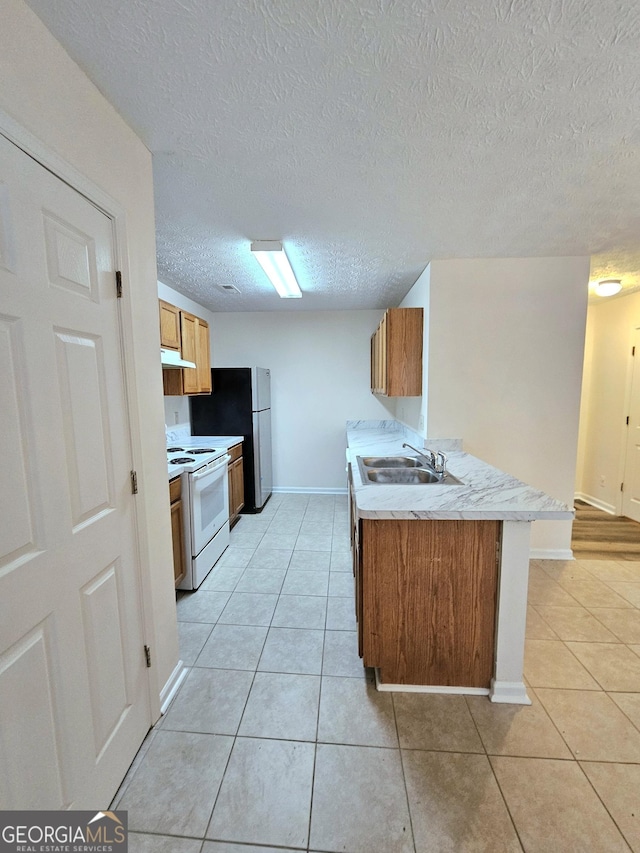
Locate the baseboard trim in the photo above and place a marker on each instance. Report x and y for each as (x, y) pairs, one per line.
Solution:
(306, 490)
(509, 692)
(551, 554)
(171, 687)
(428, 688)
(589, 499)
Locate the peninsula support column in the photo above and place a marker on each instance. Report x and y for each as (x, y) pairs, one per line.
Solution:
(507, 684)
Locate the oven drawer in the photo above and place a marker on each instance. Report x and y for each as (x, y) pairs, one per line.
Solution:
(209, 503)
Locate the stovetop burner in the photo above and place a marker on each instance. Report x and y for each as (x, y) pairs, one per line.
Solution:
(202, 450)
(175, 449)
(181, 460)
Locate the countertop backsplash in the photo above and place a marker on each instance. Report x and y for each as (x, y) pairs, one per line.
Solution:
(447, 445)
(177, 433)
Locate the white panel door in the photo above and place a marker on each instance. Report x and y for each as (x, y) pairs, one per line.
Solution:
(74, 703)
(631, 493)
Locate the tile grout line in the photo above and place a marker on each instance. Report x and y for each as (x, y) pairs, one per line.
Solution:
(315, 750)
(604, 805)
(226, 766)
(235, 739)
(553, 722)
(318, 742)
(404, 777)
(506, 804)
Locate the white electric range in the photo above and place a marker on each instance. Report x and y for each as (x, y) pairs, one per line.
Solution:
(205, 502)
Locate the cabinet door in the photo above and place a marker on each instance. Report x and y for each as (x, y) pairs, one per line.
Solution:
(357, 571)
(169, 326)
(177, 534)
(188, 328)
(429, 600)
(192, 336)
(373, 363)
(383, 348)
(236, 475)
(403, 358)
(203, 357)
(396, 353)
(177, 529)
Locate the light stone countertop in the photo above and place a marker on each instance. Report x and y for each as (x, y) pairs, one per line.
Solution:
(187, 441)
(225, 441)
(486, 494)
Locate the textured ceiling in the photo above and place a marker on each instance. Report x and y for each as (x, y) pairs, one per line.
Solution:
(372, 136)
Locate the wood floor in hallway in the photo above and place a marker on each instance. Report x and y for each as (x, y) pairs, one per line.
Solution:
(600, 536)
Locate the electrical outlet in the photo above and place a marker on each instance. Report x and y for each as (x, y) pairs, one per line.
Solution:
(421, 422)
(176, 417)
(602, 481)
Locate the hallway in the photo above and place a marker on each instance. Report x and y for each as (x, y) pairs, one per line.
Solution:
(278, 741)
(598, 535)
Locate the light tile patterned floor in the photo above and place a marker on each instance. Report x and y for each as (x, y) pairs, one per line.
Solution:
(278, 740)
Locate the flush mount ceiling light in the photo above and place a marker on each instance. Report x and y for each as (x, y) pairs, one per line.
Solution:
(609, 287)
(271, 256)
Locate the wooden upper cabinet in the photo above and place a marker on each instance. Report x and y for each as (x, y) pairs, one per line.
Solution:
(169, 326)
(396, 353)
(188, 329)
(193, 335)
(203, 357)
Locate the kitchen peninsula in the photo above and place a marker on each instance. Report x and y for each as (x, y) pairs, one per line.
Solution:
(442, 570)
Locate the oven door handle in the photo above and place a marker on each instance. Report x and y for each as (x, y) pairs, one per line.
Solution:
(208, 471)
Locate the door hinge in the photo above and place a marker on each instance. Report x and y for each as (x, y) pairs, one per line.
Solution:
(118, 284)
(627, 420)
(147, 656)
(134, 482)
(622, 487)
(633, 350)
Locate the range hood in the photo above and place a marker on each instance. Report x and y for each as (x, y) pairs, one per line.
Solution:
(171, 358)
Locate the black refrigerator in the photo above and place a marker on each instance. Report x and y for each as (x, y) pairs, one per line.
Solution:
(240, 404)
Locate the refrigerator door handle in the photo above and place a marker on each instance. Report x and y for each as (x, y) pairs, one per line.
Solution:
(255, 417)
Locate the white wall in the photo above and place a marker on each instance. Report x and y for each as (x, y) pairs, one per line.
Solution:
(505, 366)
(49, 96)
(320, 366)
(176, 409)
(585, 402)
(607, 373)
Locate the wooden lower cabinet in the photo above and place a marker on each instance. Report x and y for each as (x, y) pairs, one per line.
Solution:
(236, 483)
(426, 594)
(177, 530)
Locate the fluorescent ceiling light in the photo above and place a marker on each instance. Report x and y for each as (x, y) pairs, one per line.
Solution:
(609, 287)
(272, 258)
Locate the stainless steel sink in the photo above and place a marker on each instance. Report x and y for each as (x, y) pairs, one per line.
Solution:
(392, 462)
(402, 476)
(401, 471)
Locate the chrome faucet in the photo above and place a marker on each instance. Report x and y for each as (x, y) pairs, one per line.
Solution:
(430, 459)
(441, 462)
(435, 459)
